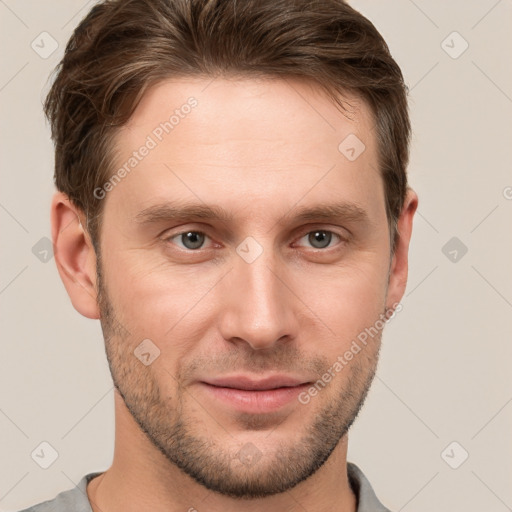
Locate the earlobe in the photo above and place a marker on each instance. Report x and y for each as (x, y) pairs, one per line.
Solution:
(74, 255)
(400, 263)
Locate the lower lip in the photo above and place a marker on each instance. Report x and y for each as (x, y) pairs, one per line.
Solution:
(263, 401)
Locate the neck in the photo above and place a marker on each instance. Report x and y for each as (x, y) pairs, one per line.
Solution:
(142, 478)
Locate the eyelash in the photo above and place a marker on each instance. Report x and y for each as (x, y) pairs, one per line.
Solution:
(341, 239)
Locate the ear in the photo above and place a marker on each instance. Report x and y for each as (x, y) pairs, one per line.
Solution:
(400, 260)
(75, 255)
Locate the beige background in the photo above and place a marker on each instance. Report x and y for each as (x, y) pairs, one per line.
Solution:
(444, 375)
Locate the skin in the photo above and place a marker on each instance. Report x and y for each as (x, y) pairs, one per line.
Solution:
(260, 149)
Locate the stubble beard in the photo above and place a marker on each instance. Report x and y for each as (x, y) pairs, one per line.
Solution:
(227, 470)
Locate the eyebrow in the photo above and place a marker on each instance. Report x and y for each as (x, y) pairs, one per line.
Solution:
(349, 212)
(186, 211)
(346, 211)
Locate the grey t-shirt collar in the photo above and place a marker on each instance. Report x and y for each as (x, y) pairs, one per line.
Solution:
(76, 500)
(367, 500)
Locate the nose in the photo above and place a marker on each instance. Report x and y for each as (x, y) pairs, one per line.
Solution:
(257, 305)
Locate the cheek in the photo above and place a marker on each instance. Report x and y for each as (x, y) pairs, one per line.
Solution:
(178, 305)
(350, 299)
(158, 301)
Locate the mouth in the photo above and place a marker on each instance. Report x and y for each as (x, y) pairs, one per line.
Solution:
(257, 396)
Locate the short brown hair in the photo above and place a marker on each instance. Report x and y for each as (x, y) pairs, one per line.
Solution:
(124, 46)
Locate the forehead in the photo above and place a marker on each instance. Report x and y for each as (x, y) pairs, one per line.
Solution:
(239, 140)
(258, 107)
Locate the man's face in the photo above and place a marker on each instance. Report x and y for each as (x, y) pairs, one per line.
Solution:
(258, 294)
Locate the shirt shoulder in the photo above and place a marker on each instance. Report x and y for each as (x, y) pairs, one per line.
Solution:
(367, 501)
(72, 500)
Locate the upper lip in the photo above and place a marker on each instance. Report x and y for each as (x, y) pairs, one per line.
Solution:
(255, 384)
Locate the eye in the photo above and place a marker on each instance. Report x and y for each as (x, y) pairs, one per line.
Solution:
(190, 240)
(320, 238)
(194, 240)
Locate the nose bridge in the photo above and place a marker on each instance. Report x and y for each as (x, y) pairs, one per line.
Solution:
(259, 306)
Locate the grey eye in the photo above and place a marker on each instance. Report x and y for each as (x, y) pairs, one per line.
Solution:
(320, 238)
(191, 239)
